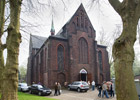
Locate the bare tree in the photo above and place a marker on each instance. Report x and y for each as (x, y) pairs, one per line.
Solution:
(9, 71)
(108, 40)
(123, 52)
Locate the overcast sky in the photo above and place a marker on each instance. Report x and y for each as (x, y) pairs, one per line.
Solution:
(101, 16)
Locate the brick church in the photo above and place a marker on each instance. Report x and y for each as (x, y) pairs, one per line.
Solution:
(70, 55)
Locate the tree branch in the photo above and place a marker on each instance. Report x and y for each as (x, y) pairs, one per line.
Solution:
(2, 9)
(3, 46)
(7, 18)
(5, 30)
(115, 4)
(7, 1)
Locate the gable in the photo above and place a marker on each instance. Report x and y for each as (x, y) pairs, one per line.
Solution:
(80, 21)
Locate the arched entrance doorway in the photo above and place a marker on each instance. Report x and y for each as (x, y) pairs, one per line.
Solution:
(83, 75)
(61, 78)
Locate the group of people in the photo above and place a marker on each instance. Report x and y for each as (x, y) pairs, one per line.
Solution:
(104, 89)
(57, 89)
(92, 85)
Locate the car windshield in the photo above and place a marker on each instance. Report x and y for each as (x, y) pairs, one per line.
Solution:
(40, 86)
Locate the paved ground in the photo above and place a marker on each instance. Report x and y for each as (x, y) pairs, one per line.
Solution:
(74, 95)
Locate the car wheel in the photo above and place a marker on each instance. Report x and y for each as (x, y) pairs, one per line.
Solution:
(69, 88)
(85, 90)
(30, 91)
(78, 89)
(21, 90)
(39, 93)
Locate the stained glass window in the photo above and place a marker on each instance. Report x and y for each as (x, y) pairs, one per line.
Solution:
(60, 57)
(83, 51)
(100, 60)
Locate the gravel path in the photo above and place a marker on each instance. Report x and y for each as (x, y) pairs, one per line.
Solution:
(74, 95)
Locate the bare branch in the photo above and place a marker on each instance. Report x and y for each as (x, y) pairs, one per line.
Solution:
(25, 31)
(2, 9)
(3, 46)
(7, 18)
(7, 1)
(5, 30)
(115, 4)
(65, 7)
(90, 4)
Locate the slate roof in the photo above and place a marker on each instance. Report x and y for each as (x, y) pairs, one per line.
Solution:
(37, 41)
(59, 36)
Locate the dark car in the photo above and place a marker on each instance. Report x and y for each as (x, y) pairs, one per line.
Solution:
(39, 89)
(79, 86)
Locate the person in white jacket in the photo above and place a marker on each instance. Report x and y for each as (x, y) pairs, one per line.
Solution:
(93, 85)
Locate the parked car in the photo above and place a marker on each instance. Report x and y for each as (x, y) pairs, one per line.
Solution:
(79, 86)
(23, 87)
(39, 89)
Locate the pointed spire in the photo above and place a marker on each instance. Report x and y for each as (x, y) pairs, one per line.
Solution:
(52, 27)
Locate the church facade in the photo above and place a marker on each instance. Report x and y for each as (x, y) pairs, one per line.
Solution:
(71, 55)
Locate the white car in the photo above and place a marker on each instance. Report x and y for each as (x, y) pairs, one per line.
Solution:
(79, 86)
(23, 87)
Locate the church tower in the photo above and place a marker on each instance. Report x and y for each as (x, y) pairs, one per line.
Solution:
(52, 28)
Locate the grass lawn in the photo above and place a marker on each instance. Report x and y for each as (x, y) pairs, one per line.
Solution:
(25, 96)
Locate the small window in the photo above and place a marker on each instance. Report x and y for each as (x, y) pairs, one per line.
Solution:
(82, 19)
(86, 24)
(77, 21)
(100, 60)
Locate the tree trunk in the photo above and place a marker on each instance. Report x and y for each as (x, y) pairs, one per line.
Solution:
(123, 51)
(10, 81)
(1, 66)
(2, 9)
(123, 54)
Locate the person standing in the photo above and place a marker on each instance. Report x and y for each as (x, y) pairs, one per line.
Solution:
(59, 89)
(89, 83)
(104, 90)
(93, 85)
(55, 89)
(100, 90)
(112, 90)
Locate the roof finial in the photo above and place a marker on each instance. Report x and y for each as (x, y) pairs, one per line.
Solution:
(52, 27)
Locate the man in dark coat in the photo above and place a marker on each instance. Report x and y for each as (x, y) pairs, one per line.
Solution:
(100, 90)
(55, 88)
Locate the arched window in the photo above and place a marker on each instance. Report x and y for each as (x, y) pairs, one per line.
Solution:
(100, 60)
(73, 28)
(90, 31)
(83, 51)
(82, 19)
(60, 57)
(86, 24)
(77, 21)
